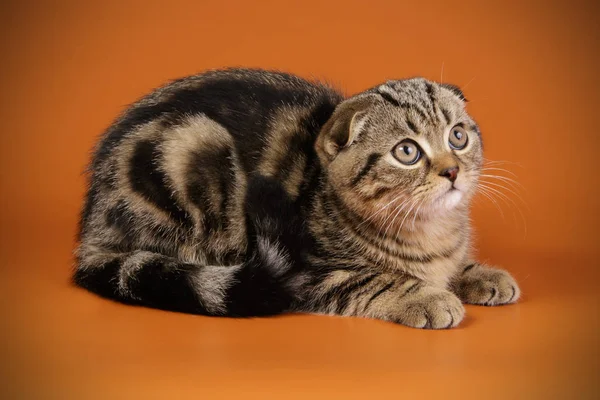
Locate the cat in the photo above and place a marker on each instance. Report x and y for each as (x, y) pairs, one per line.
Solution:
(245, 192)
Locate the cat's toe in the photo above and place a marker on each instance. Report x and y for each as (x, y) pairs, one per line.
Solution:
(435, 310)
(490, 287)
(508, 290)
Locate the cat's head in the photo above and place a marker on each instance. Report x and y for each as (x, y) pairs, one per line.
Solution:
(404, 147)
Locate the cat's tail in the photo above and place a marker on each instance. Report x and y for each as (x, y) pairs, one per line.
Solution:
(268, 282)
(262, 285)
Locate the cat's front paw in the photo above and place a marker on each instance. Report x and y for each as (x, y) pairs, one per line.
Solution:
(483, 285)
(431, 308)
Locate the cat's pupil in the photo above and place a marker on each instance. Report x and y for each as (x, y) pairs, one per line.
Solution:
(408, 150)
(458, 135)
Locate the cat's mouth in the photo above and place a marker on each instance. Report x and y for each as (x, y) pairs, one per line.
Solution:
(448, 199)
(452, 197)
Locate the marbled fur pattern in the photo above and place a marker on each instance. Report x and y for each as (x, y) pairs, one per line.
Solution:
(247, 192)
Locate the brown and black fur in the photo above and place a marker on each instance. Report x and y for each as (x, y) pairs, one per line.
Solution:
(247, 192)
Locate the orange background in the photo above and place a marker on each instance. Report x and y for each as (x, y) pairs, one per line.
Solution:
(530, 71)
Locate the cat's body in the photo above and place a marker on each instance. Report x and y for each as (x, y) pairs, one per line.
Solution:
(247, 192)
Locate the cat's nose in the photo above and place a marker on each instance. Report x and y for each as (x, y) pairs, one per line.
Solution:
(450, 173)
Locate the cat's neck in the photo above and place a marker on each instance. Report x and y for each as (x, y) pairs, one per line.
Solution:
(422, 239)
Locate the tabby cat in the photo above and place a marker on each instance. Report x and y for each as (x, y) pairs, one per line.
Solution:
(245, 192)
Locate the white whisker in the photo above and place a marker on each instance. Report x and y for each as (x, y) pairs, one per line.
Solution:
(442, 74)
(380, 210)
(498, 185)
(512, 182)
(490, 196)
(498, 169)
(508, 201)
(417, 213)
(406, 215)
(497, 162)
(468, 83)
(399, 210)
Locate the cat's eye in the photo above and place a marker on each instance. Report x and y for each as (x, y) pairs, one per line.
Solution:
(458, 138)
(407, 152)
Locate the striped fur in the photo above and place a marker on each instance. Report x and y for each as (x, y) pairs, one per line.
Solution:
(246, 192)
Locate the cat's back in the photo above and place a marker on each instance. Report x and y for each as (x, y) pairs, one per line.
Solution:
(171, 173)
(248, 103)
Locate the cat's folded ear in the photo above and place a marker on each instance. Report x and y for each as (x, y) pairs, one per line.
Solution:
(456, 90)
(344, 126)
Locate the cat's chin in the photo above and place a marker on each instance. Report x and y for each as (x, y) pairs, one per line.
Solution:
(452, 198)
(447, 201)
